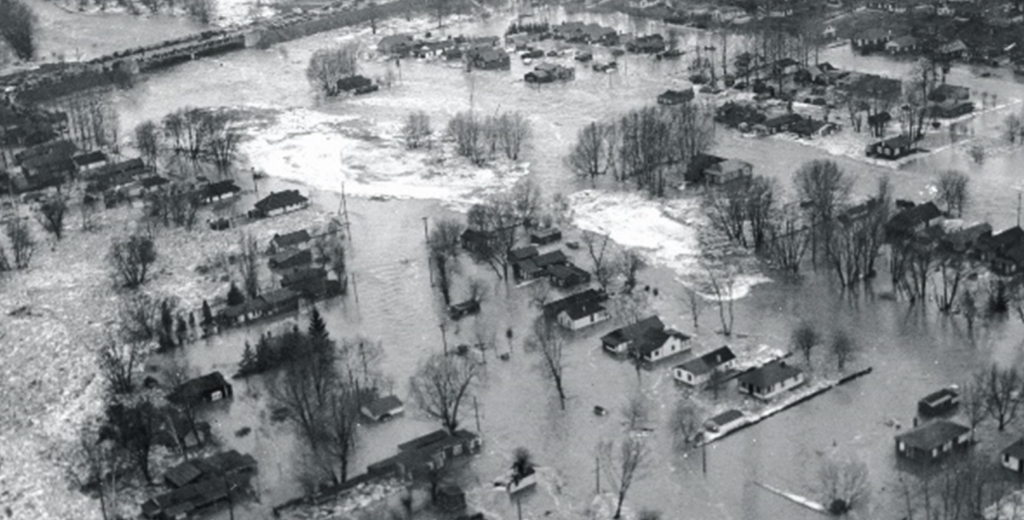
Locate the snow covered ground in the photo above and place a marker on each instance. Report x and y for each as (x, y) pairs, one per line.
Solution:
(324, 151)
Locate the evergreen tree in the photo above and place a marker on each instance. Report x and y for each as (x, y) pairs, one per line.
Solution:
(182, 330)
(317, 328)
(250, 362)
(235, 296)
(192, 319)
(207, 314)
(264, 354)
(166, 318)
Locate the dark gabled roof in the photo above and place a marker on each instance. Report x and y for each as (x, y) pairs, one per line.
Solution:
(354, 82)
(522, 253)
(436, 441)
(708, 362)
(280, 199)
(550, 258)
(932, 435)
(784, 119)
(303, 275)
(584, 309)
(1015, 450)
(279, 296)
(587, 298)
(153, 180)
(291, 258)
(770, 374)
(654, 339)
(131, 165)
(48, 162)
(922, 213)
(291, 239)
(192, 497)
(673, 96)
(387, 404)
(1007, 238)
(92, 157)
(900, 141)
(62, 148)
(193, 389)
(565, 272)
(634, 331)
(182, 474)
(726, 417)
(220, 188)
(1015, 254)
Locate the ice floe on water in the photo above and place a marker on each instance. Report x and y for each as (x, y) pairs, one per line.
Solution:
(323, 151)
(666, 233)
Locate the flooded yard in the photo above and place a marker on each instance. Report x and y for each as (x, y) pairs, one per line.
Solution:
(321, 144)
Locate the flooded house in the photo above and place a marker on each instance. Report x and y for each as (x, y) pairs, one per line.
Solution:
(770, 380)
(299, 239)
(549, 73)
(218, 191)
(1012, 457)
(698, 370)
(204, 389)
(649, 339)
(396, 45)
(488, 58)
(933, 441)
(383, 408)
(892, 148)
(675, 97)
(289, 260)
(579, 310)
(567, 275)
(278, 203)
(727, 171)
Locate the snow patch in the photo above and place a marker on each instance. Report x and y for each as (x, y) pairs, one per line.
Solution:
(665, 232)
(324, 151)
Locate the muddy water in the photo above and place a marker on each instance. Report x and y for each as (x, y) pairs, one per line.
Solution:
(913, 352)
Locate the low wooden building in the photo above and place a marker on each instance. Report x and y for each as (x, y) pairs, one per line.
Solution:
(204, 389)
(278, 203)
(299, 239)
(1012, 457)
(383, 409)
(545, 236)
(565, 276)
(728, 171)
(891, 148)
(698, 370)
(579, 310)
(937, 403)
(218, 191)
(770, 380)
(933, 441)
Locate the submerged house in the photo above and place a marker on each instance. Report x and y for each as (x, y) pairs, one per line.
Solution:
(278, 203)
(770, 380)
(384, 408)
(649, 339)
(728, 171)
(579, 310)
(937, 403)
(426, 453)
(932, 441)
(698, 370)
(549, 73)
(1012, 458)
(204, 389)
(675, 97)
(891, 148)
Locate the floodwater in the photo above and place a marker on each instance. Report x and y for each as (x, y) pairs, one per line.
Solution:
(912, 351)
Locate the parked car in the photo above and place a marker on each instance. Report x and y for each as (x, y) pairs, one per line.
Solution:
(584, 56)
(606, 67)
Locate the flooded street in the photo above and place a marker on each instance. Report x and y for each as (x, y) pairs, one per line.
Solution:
(319, 144)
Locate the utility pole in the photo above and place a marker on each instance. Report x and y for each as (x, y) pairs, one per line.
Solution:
(476, 411)
(1018, 208)
(597, 474)
(519, 507)
(426, 239)
(444, 338)
(704, 458)
(355, 288)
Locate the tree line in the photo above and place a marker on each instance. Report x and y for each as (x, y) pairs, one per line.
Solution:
(645, 146)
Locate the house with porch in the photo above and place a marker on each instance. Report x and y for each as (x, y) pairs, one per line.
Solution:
(697, 371)
(892, 148)
(204, 389)
(870, 40)
(770, 380)
(579, 310)
(299, 239)
(567, 275)
(1012, 457)
(933, 441)
(656, 345)
(728, 171)
(278, 203)
(220, 190)
(620, 340)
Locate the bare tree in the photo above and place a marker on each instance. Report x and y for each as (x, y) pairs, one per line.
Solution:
(249, 264)
(843, 348)
(973, 403)
(417, 131)
(953, 191)
(18, 27)
(131, 258)
(804, 338)
(100, 465)
(137, 317)
(340, 428)
(631, 264)
(723, 285)
(468, 133)
(844, 484)
(684, 423)
(1013, 128)
(591, 156)
(147, 140)
(1002, 388)
(51, 215)
(440, 385)
(497, 218)
(327, 66)
(695, 304)
(513, 129)
(119, 362)
(623, 465)
(133, 426)
(443, 248)
(23, 246)
(823, 189)
(526, 199)
(636, 412)
(549, 340)
(953, 269)
(601, 256)
(787, 240)
(968, 307)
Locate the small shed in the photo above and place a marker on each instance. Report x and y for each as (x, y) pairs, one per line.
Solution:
(937, 403)
(892, 148)
(384, 408)
(204, 389)
(565, 276)
(722, 420)
(463, 309)
(546, 236)
(1012, 458)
